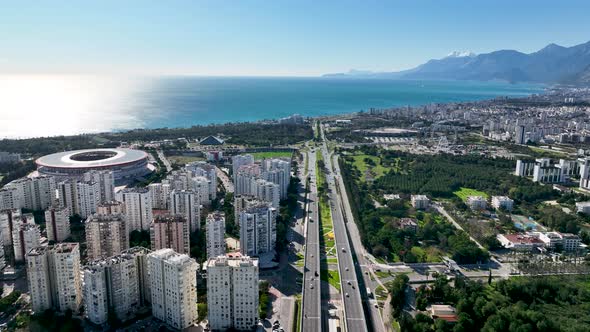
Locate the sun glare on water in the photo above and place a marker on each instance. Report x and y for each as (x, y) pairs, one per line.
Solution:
(34, 106)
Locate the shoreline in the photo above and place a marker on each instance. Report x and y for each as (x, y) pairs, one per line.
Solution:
(543, 90)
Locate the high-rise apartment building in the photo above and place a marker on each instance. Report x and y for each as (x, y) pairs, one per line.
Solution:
(201, 168)
(9, 199)
(106, 183)
(111, 207)
(267, 191)
(116, 285)
(170, 231)
(24, 238)
(258, 229)
(54, 277)
(232, 293)
(173, 281)
(106, 235)
(57, 221)
(160, 195)
(239, 161)
(9, 219)
(36, 193)
(81, 197)
(215, 226)
(138, 207)
(277, 171)
(244, 178)
(186, 203)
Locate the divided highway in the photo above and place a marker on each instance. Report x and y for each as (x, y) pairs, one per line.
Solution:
(311, 316)
(351, 297)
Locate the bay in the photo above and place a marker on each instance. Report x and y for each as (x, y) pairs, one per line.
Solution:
(49, 105)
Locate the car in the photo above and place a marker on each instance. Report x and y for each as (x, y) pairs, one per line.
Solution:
(346, 269)
(276, 322)
(347, 295)
(343, 250)
(316, 273)
(376, 305)
(348, 282)
(311, 287)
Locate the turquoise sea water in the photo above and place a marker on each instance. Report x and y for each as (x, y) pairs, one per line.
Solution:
(53, 105)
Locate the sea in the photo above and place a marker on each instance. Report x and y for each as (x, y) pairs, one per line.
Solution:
(50, 105)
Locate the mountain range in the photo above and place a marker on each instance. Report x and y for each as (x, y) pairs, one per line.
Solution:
(552, 64)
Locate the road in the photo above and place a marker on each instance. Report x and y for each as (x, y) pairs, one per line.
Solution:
(165, 161)
(225, 180)
(311, 316)
(355, 320)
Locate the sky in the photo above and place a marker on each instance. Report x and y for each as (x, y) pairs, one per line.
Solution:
(273, 37)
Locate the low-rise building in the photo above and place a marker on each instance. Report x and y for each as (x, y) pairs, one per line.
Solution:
(477, 202)
(520, 242)
(408, 224)
(420, 202)
(583, 207)
(502, 202)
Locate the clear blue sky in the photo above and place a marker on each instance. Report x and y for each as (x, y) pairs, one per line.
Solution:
(273, 37)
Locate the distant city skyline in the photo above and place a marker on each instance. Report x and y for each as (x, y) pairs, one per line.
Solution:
(271, 38)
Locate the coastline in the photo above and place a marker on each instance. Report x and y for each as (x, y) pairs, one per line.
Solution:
(174, 103)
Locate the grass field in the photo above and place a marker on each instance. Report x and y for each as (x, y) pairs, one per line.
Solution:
(361, 165)
(332, 277)
(298, 315)
(183, 160)
(463, 193)
(271, 154)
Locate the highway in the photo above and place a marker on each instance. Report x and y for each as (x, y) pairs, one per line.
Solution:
(355, 320)
(362, 256)
(311, 316)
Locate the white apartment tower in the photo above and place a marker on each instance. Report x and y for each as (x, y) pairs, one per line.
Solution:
(35, 193)
(170, 231)
(106, 235)
(57, 221)
(116, 284)
(232, 293)
(215, 227)
(138, 208)
(24, 238)
(9, 199)
(106, 183)
(173, 280)
(244, 178)
(201, 168)
(54, 277)
(186, 203)
(584, 173)
(240, 160)
(160, 194)
(201, 185)
(258, 230)
(39, 281)
(9, 219)
(2, 255)
(278, 171)
(81, 197)
(111, 207)
(266, 191)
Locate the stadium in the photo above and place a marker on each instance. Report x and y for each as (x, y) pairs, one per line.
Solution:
(126, 164)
